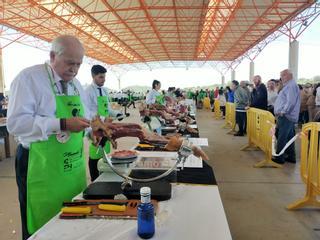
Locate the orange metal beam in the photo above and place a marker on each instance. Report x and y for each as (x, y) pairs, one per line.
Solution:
(231, 17)
(123, 44)
(127, 26)
(269, 32)
(143, 5)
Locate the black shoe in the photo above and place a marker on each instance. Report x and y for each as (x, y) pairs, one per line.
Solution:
(238, 134)
(276, 160)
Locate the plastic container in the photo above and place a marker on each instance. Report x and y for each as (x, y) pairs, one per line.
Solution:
(146, 226)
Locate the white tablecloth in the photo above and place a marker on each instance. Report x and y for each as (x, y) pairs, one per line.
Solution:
(194, 212)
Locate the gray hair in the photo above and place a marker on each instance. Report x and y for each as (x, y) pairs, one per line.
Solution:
(58, 44)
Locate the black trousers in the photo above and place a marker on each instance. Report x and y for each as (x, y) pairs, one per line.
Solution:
(223, 110)
(132, 103)
(241, 119)
(93, 168)
(21, 166)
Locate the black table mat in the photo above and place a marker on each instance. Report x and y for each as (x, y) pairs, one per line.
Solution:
(203, 175)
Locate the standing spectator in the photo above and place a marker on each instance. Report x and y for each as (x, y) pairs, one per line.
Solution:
(196, 97)
(311, 103)
(241, 100)
(222, 100)
(304, 95)
(216, 92)
(317, 100)
(230, 95)
(286, 109)
(131, 99)
(272, 95)
(211, 96)
(245, 85)
(259, 95)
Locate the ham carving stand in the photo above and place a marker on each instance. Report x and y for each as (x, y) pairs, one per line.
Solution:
(130, 187)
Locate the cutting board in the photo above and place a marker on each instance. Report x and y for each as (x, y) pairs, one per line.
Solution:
(129, 213)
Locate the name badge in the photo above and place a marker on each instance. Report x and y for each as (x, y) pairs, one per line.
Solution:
(63, 137)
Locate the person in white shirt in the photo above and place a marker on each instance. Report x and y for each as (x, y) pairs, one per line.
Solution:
(98, 104)
(272, 94)
(46, 112)
(155, 97)
(154, 94)
(222, 100)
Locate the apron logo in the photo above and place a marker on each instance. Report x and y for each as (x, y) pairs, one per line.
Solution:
(72, 104)
(75, 112)
(72, 161)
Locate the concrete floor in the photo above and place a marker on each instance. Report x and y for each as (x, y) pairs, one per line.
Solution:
(254, 199)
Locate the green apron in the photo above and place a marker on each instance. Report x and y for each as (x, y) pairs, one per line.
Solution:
(56, 171)
(94, 152)
(160, 99)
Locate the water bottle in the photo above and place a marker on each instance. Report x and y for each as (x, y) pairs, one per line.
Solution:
(145, 214)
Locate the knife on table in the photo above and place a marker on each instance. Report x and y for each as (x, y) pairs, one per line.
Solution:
(85, 203)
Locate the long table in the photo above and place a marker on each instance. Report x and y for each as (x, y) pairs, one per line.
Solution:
(195, 211)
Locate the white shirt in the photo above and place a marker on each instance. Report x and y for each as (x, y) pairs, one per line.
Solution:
(272, 97)
(151, 96)
(92, 93)
(222, 100)
(32, 104)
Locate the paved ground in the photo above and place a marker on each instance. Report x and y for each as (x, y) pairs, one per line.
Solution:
(254, 199)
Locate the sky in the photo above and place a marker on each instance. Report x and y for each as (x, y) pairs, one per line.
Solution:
(268, 64)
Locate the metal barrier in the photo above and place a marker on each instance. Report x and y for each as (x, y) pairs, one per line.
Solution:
(217, 111)
(206, 103)
(259, 124)
(230, 118)
(309, 169)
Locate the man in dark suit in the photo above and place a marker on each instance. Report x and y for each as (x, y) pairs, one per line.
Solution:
(259, 95)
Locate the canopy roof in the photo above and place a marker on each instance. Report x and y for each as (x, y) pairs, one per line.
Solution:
(133, 31)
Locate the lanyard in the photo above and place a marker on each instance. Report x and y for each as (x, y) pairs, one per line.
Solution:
(56, 90)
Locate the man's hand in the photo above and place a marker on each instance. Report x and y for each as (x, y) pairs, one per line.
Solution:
(77, 124)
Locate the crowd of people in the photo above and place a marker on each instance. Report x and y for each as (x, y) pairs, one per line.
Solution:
(292, 105)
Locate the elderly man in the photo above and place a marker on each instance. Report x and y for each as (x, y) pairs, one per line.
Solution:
(46, 112)
(286, 109)
(272, 95)
(259, 96)
(241, 100)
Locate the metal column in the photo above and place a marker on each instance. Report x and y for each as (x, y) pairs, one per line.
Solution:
(223, 80)
(251, 71)
(294, 58)
(233, 75)
(119, 82)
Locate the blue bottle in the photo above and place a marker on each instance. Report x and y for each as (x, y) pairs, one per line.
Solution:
(145, 214)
